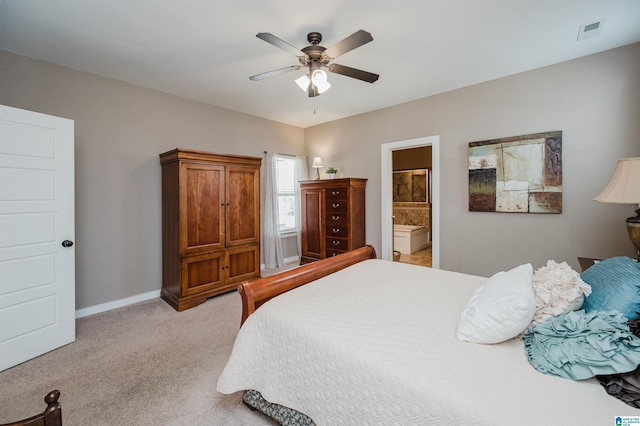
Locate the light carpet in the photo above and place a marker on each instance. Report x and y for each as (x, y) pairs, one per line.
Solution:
(143, 364)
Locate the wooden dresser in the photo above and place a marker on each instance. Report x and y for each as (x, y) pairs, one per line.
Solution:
(333, 217)
(210, 224)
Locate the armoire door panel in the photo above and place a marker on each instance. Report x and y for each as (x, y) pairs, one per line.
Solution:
(202, 272)
(203, 195)
(243, 263)
(243, 199)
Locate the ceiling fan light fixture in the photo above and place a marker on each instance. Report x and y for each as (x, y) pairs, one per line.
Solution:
(316, 57)
(303, 82)
(319, 79)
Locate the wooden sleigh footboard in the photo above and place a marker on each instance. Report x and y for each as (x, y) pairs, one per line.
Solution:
(255, 293)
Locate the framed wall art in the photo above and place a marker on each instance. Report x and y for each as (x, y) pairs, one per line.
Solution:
(519, 174)
(411, 186)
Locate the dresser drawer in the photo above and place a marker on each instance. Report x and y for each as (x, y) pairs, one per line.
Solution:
(336, 193)
(340, 206)
(337, 244)
(337, 219)
(337, 231)
(331, 252)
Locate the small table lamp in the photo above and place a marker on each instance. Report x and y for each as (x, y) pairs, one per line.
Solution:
(624, 188)
(317, 164)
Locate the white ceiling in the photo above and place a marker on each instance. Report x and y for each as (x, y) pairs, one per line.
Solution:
(207, 49)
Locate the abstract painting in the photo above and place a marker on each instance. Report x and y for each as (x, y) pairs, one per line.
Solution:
(519, 174)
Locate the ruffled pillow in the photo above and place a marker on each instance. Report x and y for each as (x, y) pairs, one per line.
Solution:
(558, 290)
(580, 345)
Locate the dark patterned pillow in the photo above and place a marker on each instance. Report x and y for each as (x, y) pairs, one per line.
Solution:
(625, 386)
(283, 415)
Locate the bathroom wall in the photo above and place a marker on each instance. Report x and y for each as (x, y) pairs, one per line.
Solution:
(406, 212)
(412, 214)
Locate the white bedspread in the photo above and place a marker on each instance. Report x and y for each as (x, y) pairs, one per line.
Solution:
(375, 344)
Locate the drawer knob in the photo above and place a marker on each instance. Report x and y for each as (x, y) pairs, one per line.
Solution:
(335, 205)
(335, 192)
(336, 230)
(335, 243)
(334, 217)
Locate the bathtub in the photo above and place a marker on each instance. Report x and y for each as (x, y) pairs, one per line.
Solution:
(408, 239)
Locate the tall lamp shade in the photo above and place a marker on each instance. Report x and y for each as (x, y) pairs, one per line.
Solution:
(624, 188)
(317, 164)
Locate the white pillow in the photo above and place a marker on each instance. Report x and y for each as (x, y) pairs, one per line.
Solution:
(501, 309)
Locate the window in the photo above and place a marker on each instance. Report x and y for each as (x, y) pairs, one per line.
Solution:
(286, 181)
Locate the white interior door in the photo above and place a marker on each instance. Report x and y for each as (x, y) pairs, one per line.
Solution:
(37, 273)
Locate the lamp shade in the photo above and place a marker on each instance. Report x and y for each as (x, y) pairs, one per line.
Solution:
(317, 164)
(315, 81)
(624, 186)
(303, 82)
(319, 79)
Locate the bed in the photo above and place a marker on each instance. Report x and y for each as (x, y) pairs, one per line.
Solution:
(358, 340)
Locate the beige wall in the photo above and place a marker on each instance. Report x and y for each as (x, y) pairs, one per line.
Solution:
(594, 100)
(119, 131)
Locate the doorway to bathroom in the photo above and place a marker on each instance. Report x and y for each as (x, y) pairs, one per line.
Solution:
(410, 197)
(412, 205)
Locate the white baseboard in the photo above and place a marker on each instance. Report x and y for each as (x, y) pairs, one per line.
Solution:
(103, 307)
(287, 260)
(292, 259)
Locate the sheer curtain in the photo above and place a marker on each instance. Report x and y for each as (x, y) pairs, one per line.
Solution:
(273, 253)
(272, 243)
(302, 173)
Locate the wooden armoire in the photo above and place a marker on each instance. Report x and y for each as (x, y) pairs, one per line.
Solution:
(333, 217)
(210, 224)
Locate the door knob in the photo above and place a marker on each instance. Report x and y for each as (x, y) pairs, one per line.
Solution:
(67, 243)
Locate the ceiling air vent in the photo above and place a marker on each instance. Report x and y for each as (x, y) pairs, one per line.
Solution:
(591, 29)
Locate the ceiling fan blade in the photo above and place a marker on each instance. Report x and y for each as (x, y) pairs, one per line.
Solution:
(369, 77)
(356, 39)
(274, 72)
(270, 38)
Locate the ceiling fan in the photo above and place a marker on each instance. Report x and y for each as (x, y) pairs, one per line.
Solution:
(317, 58)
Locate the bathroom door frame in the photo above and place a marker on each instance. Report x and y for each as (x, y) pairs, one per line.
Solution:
(386, 156)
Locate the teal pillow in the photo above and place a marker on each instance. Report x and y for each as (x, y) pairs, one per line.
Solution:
(615, 285)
